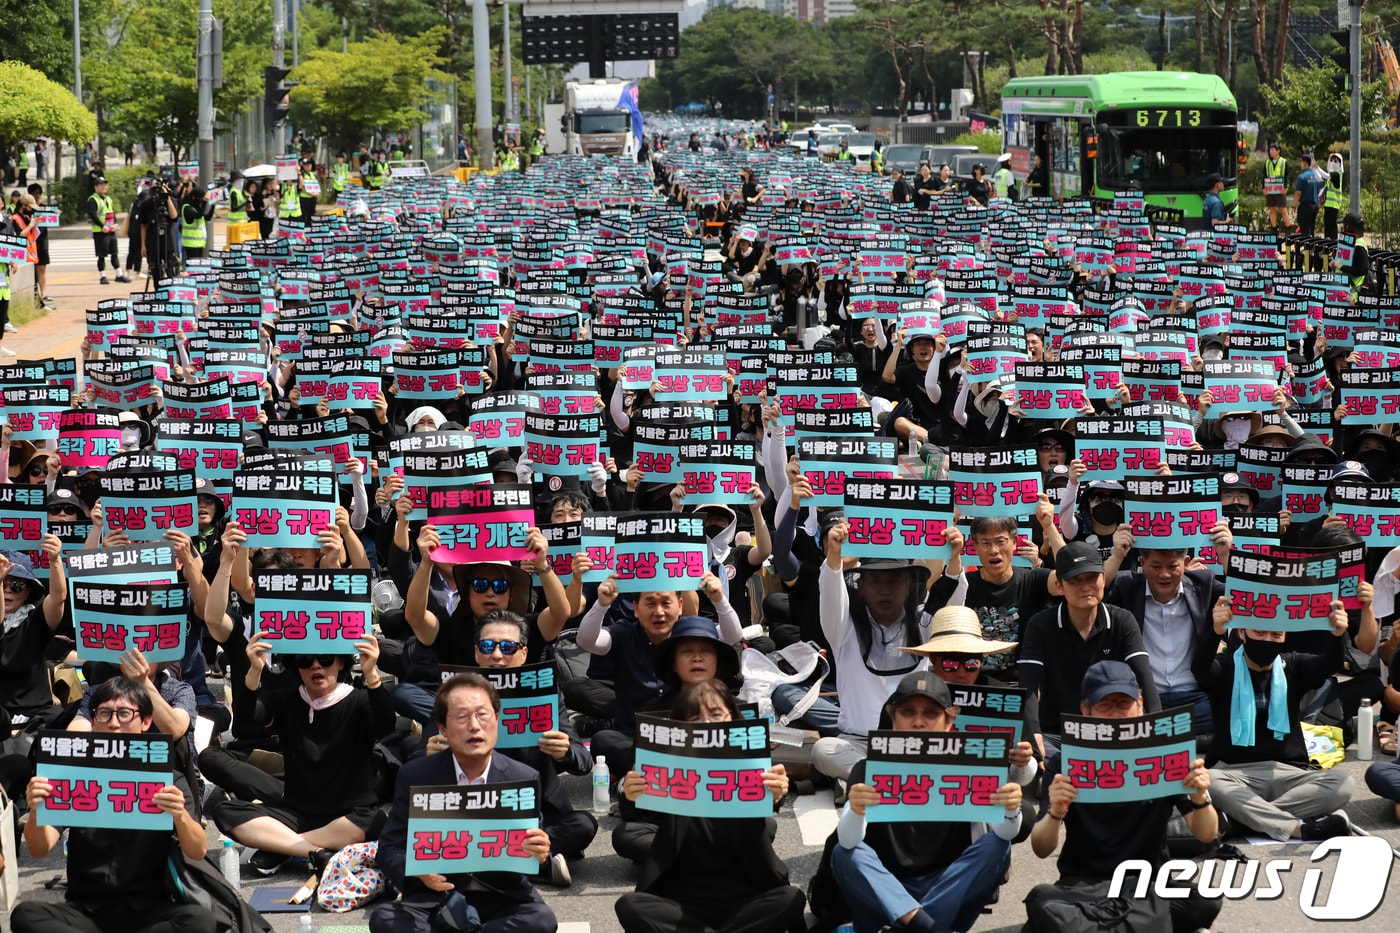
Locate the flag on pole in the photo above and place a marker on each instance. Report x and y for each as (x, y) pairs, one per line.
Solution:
(628, 102)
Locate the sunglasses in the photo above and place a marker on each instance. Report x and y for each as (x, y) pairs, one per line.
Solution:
(499, 587)
(951, 665)
(489, 646)
(307, 661)
(64, 510)
(16, 586)
(41, 470)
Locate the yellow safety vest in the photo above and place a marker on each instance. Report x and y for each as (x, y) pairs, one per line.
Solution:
(1275, 168)
(1002, 181)
(237, 206)
(340, 176)
(289, 205)
(1334, 197)
(193, 235)
(104, 210)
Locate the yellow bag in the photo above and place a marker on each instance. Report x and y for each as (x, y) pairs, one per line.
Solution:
(1324, 744)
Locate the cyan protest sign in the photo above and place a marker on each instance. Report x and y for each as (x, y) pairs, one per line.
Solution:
(104, 781)
(710, 770)
(313, 611)
(458, 829)
(936, 777)
(114, 617)
(1125, 760)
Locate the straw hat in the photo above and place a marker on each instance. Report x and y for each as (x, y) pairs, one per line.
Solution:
(957, 630)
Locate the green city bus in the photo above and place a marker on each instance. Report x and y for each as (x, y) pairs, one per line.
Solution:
(1158, 132)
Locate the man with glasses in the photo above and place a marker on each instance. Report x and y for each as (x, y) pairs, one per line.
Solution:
(1061, 643)
(117, 877)
(328, 729)
(467, 711)
(1003, 595)
(500, 644)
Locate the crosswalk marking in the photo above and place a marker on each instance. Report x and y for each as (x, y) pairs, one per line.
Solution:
(816, 817)
(78, 253)
(575, 926)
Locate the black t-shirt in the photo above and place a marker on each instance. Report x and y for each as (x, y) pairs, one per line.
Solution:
(1004, 608)
(737, 571)
(125, 865)
(24, 683)
(909, 379)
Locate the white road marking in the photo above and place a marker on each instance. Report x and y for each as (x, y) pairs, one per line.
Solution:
(816, 817)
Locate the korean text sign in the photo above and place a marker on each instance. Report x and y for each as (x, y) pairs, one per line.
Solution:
(312, 611)
(704, 769)
(104, 780)
(457, 829)
(1122, 760)
(481, 522)
(909, 515)
(659, 551)
(113, 617)
(936, 777)
(1282, 594)
(999, 710)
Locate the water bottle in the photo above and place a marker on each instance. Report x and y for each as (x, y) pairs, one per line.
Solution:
(306, 924)
(601, 803)
(1365, 731)
(228, 863)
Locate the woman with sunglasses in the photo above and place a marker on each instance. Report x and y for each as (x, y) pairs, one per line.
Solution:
(328, 729)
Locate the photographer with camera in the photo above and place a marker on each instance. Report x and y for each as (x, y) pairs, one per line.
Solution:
(196, 211)
(156, 209)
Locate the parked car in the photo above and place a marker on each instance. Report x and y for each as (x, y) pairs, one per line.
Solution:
(905, 157)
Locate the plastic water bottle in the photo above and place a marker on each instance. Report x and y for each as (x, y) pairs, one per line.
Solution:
(228, 863)
(306, 924)
(1365, 731)
(601, 803)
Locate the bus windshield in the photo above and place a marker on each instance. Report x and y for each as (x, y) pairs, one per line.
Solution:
(607, 122)
(1152, 159)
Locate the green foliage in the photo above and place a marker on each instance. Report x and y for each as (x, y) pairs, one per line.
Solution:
(39, 35)
(144, 83)
(35, 106)
(1308, 112)
(72, 199)
(379, 84)
(989, 143)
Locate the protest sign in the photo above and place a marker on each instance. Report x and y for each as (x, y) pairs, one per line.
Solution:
(704, 769)
(435, 463)
(146, 504)
(718, 472)
(660, 551)
(34, 413)
(481, 522)
(1168, 512)
(1281, 594)
(283, 510)
(88, 438)
(907, 517)
(104, 781)
(23, 518)
(319, 612)
(529, 700)
(1372, 511)
(1050, 390)
(1124, 760)
(829, 463)
(459, 829)
(936, 777)
(114, 617)
(994, 480)
(1240, 385)
(997, 710)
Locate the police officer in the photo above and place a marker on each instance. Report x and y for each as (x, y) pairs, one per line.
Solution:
(103, 214)
(375, 171)
(1334, 197)
(308, 187)
(1003, 179)
(1275, 167)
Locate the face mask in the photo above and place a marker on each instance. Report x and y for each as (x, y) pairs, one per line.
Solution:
(1376, 463)
(713, 531)
(1262, 652)
(1107, 513)
(1235, 508)
(131, 438)
(1213, 353)
(1237, 432)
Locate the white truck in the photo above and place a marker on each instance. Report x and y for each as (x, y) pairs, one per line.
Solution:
(594, 122)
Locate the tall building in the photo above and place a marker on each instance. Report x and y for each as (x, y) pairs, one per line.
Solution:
(818, 11)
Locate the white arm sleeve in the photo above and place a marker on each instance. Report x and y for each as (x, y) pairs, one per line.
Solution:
(592, 637)
(850, 830)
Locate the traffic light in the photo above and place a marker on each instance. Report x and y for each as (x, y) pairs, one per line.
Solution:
(275, 90)
(1343, 59)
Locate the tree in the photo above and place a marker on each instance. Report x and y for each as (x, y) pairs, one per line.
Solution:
(1308, 112)
(143, 83)
(36, 106)
(380, 84)
(39, 35)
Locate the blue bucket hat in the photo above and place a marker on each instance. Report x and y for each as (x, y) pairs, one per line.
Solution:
(727, 663)
(22, 569)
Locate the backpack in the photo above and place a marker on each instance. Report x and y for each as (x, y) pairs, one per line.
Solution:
(199, 882)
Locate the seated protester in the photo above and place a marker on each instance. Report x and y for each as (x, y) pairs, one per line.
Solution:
(33, 612)
(692, 654)
(1004, 596)
(1259, 757)
(1061, 643)
(173, 708)
(1360, 676)
(921, 381)
(117, 878)
(483, 586)
(635, 645)
(1378, 452)
(1102, 514)
(229, 767)
(957, 652)
(1302, 534)
(703, 874)
(328, 731)
(1099, 836)
(466, 710)
(500, 643)
(733, 564)
(923, 877)
(1172, 606)
(866, 636)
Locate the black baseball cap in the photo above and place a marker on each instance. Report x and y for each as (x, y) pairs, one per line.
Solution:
(922, 684)
(1077, 557)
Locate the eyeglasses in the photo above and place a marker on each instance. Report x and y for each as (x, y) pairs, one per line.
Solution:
(489, 646)
(306, 662)
(499, 587)
(481, 715)
(123, 714)
(1051, 448)
(16, 586)
(951, 665)
(1000, 542)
